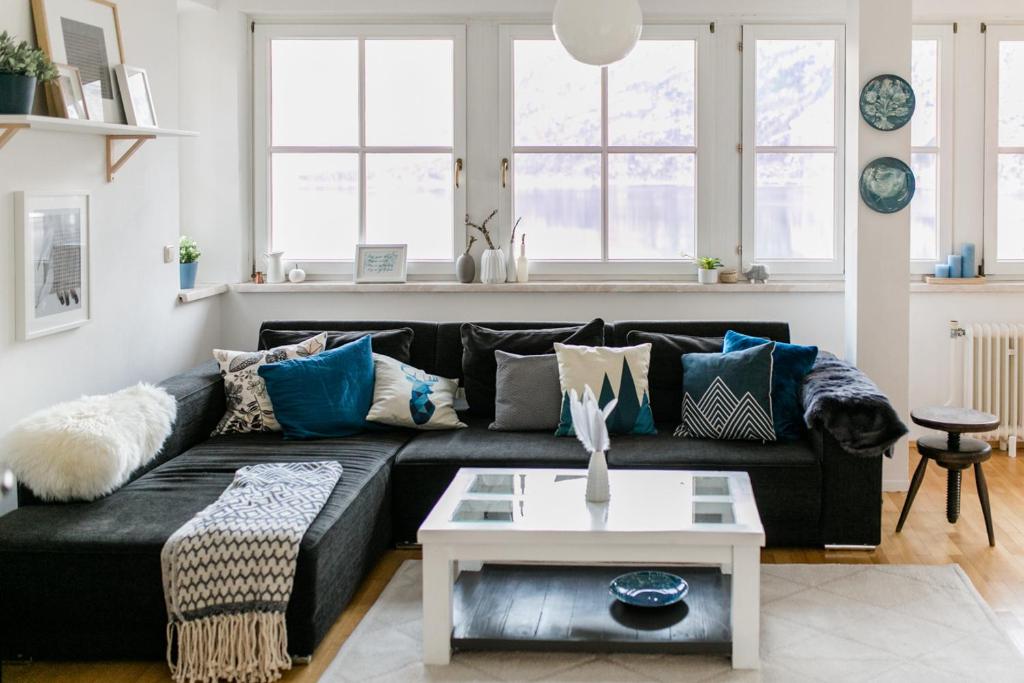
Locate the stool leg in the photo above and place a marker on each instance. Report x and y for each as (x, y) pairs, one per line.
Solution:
(979, 477)
(953, 478)
(915, 484)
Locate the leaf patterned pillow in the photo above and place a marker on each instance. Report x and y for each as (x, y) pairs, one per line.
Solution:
(249, 407)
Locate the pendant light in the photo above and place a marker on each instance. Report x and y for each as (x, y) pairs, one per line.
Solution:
(598, 32)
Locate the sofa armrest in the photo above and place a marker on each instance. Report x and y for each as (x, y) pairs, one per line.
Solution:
(851, 493)
(199, 393)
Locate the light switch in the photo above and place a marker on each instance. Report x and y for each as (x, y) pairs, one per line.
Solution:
(170, 253)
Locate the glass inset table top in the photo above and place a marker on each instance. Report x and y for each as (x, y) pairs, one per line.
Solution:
(479, 510)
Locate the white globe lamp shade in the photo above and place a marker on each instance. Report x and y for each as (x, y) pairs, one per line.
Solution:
(598, 32)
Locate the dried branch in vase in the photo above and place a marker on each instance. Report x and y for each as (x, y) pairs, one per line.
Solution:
(482, 228)
(512, 240)
(469, 244)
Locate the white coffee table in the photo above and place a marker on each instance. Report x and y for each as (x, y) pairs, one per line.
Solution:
(655, 517)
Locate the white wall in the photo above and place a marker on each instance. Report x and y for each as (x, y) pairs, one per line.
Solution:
(138, 331)
(216, 56)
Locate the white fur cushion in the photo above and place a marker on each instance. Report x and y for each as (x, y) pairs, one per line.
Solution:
(84, 449)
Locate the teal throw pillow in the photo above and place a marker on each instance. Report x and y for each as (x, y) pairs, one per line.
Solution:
(790, 364)
(324, 395)
(728, 395)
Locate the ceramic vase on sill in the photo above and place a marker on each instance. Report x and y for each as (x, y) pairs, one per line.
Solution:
(187, 274)
(707, 276)
(492, 266)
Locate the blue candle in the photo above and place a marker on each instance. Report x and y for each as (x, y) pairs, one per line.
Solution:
(955, 265)
(941, 270)
(968, 266)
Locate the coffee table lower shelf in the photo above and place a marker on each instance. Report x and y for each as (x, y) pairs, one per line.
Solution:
(568, 609)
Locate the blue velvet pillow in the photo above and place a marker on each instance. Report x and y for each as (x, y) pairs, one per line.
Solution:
(324, 395)
(728, 395)
(792, 362)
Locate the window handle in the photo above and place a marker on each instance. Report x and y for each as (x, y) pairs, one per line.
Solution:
(458, 173)
(504, 172)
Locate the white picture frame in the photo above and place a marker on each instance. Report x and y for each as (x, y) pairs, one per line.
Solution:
(52, 252)
(70, 94)
(381, 262)
(136, 96)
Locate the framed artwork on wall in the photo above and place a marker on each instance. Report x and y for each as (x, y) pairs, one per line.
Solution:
(85, 34)
(136, 96)
(69, 94)
(51, 247)
(380, 262)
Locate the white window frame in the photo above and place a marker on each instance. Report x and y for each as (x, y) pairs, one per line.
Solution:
(831, 268)
(946, 79)
(704, 138)
(263, 34)
(993, 36)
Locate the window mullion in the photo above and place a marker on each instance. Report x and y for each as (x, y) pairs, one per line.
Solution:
(604, 163)
(362, 139)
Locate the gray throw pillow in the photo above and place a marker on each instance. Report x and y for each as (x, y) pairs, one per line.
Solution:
(528, 396)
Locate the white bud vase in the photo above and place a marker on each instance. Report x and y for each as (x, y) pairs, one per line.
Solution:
(492, 266)
(597, 479)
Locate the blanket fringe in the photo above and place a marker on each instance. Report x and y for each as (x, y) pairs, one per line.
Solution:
(242, 648)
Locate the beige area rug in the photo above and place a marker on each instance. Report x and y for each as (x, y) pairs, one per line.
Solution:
(834, 623)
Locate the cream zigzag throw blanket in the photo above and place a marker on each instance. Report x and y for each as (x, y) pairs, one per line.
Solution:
(228, 573)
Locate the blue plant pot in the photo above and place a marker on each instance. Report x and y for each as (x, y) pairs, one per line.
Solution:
(187, 274)
(17, 93)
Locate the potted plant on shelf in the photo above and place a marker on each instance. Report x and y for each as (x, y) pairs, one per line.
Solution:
(21, 67)
(188, 258)
(707, 270)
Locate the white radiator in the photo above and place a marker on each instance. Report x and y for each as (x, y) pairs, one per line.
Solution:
(992, 376)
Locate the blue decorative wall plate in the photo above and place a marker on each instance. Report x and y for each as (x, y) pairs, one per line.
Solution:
(649, 589)
(887, 185)
(887, 102)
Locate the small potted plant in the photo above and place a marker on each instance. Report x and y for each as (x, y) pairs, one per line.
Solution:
(188, 258)
(707, 270)
(21, 66)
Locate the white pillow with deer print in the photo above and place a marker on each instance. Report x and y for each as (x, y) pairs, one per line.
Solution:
(249, 406)
(404, 396)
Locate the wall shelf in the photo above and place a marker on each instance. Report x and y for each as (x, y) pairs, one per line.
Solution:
(11, 125)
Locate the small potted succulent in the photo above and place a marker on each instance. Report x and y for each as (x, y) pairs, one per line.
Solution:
(707, 270)
(188, 258)
(21, 67)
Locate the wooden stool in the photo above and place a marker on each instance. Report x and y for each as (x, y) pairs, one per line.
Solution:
(954, 454)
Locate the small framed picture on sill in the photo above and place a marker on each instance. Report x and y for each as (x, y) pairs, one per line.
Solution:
(380, 262)
(136, 95)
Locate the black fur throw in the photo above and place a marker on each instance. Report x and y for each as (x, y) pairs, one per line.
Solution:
(841, 400)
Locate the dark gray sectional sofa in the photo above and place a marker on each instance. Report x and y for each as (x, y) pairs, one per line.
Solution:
(82, 580)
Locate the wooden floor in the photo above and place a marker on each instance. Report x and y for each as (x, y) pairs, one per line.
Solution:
(927, 538)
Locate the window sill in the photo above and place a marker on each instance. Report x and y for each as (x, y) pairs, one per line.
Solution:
(200, 292)
(542, 287)
(990, 287)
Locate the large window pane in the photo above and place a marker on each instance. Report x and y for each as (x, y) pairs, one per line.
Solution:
(314, 85)
(409, 201)
(652, 95)
(795, 92)
(557, 99)
(650, 206)
(795, 215)
(924, 128)
(1011, 93)
(1010, 203)
(924, 210)
(559, 196)
(409, 92)
(315, 201)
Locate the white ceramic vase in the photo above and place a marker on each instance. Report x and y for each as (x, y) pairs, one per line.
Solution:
(511, 272)
(597, 478)
(707, 276)
(275, 267)
(492, 266)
